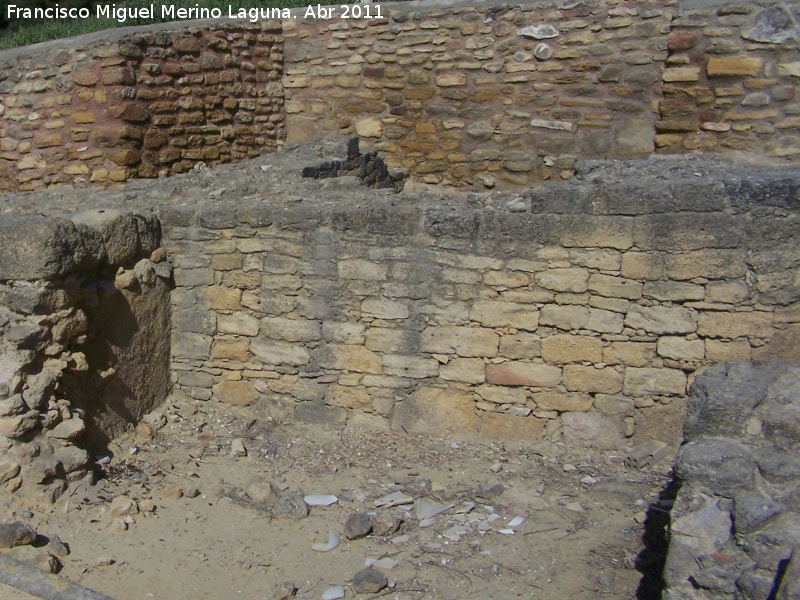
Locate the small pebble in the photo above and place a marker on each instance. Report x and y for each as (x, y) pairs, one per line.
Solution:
(568, 468)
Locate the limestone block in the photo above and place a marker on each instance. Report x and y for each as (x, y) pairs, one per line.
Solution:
(348, 358)
(238, 323)
(393, 340)
(502, 395)
(561, 349)
(614, 405)
(615, 287)
(465, 370)
(219, 297)
(345, 396)
(578, 378)
(562, 402)
(279, 353)
(567, 279)
(720, 66)
(642, 265)
(511, 428)
(679, 348)
(523, 374)
(649, 381)
(722, 351)
(382, 308)
(358, 268)
(36, 247)
(343, 332)
(291, 330)
(711, 264)
(564, 316)
(410, 366)
(590, 231)
(191, 345)
(604, 321)
(467, 342)
(755, 324)
(505, 314)
(635, 354)
(521, 346)
(436, 411)
(592, 430)
(673, 291)
(661, 319)
(728, 292)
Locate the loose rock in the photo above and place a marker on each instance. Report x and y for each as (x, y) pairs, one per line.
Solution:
(15, 533)
(369, 581)
(358, 525)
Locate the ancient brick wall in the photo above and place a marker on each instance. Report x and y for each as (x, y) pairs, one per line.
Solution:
(731, 79)
(145, 104)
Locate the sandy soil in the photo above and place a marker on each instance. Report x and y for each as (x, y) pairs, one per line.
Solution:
(195, 521)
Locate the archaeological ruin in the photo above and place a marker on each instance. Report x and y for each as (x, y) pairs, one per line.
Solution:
(516, 222)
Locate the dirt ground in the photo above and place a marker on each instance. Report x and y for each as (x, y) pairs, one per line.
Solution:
(196, 521)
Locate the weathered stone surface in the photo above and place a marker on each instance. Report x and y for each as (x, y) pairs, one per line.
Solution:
(650, 381)
(734, 325)
(561, 349)
(235, 393)
(578, 378)
(562, 402)
(523, 374)
(524, 430)
(348, 358)
(436, 410)
(279, 353)
(505, 314)
(466, 370)
(498, 394)
(466, 342)
(564, 279)
(590, 430)
(16, 533)
(661, 319)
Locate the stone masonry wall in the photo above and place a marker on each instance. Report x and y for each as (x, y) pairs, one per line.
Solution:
(82, 350)
(478, 95)
(731, 79)
(580, 308)
(482, 96)
(143, 104)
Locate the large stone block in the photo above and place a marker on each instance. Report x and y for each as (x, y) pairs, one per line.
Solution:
(755, 324)
(465, 370)
(505, 314)
(711, 264)
(521, 346)
(579, 378)
(279, 353)
(345, 396)
(615, 287)
(383, 308)
(661, 319)
(566, 317)
(650, 381)
(392, 339)
(37, 247)
(291, 330)
(498, 394)
(191, 345)
(412, 367)
(679, 348)
(436, 411)
(348, 358)
(235, 393)
(468, 342)
(523, 374)
(525, 430)
(238, 323)
(562, 401)
(562, 349)
(568, 279)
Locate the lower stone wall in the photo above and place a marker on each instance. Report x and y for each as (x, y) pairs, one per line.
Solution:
(82, 352)
(583, 308)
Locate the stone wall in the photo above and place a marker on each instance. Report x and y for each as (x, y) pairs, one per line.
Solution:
(142, 104)
(583, 308)
(477, 95)
(481, 96)
(82, 351)
(731, 79)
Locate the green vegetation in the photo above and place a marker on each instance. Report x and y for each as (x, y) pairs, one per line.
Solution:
(25, 32)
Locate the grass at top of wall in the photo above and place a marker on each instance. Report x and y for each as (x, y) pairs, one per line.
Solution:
(24, 33)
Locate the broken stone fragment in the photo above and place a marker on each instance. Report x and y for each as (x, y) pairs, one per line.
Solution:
(70, 429)
(358, 525)
(17, 426)
(16, 533)
(290, 505)
(369, 581)
(541, 31)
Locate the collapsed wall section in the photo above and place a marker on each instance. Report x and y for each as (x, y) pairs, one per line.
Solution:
(83, 355)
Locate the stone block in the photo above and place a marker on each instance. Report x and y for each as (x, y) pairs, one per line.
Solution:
(193, 321)
(566, 317)
(635, 354)
(464, 370)
(562, 402)
(343, 332)
(358, 268)
(219, 297)
(642, 265)
(521, 346)
(661, 319)
(238, 323)
(590, 231)
(272, 352)
(679, 348)
(413, 367)
(523, 374)
(467, 342)
(191, 345)
(604, 321)
(615, 287)
(722, 351)
(392, 340)
(505, 314)
(568, 279)
(562, 349)
(728, 292)
(291, 330)
(235, 393)
(723, 66)
(525, 430)
(591, 430)
(755, 324)
(436, 411)
(650, 381)
(579, 378)
(237, 349)
(711, 264)
(673, 291)
(346, 396)
(348, 358)
(320, 414)
(614, 405)
(383, 308)
(497, 394)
